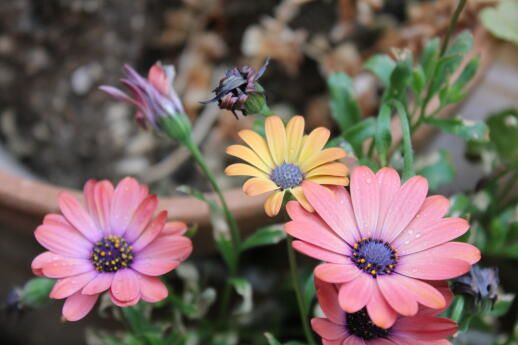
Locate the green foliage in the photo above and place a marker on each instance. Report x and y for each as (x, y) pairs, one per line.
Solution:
(344, 108)
(467, 130)
(437, 168)
(383, 133)
(309, 291)
(503, 131)
(243, 289)
(358, 133)
(35, 292)
(381, 65)
(265, 236)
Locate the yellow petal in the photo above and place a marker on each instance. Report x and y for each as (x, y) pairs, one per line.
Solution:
(257, 185)
(258, 144)
(330, 169)
(249, 156)
(294, 135)
(325, 156)
(273, 204)
(298, 193)
(241, 169)
(314, 143)
(333, 180)
(276, 138)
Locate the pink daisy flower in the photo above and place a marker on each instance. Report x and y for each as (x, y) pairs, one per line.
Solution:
(381, 242)
(341, 328)
(113, 244)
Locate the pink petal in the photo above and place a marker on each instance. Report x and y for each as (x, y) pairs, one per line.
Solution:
(382, 341)
(334, 209)
(365, 199)
(151, 232)
(152, 289)
(422, 265)
(336, 273)
(88, 194)
(319, 253)
(176, 248)
(425, 327)
(77, 306)
(42, 260)
(297, 212)
(317, 235)
(154, 267)
(435, 234)
(99, 284)
(62, 267)
(327, 329)
(355, 295)
(332, 342)
(388, 185)
(63, 239)
(103, 195)
(125, 286)
(124, 304)
(380, 312)
(433, 209)
(457, 250)
(126, 198)
(78, 217)
(353, 340)
(174, 228)
(141, 218)
(327, 299)
(404, 207)
(69, 286)
(424, 293)
(398, 296)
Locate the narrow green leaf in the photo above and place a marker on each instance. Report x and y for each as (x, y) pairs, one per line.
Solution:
(383, 133)
(271, 339)
(467, 130)
(360, 132)
(265, 236)
(400, 78)
(381, 65)
(344, 108)
(243, 289)
(309, 291)
(408, 154)
(429, 57)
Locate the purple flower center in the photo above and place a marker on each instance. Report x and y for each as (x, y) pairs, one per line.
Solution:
(374, 256)
(360, 325)
(111, 254)
(287, 176)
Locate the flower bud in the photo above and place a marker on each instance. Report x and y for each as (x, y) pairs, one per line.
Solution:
(479, 283)
(157, 103)
(239, 90)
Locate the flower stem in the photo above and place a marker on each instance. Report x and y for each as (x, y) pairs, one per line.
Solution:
(298, 292)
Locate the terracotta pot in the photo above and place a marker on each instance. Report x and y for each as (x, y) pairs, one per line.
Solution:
(24, 202)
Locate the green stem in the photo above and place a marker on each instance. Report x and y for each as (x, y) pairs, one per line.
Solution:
(408, 155)
(298, 292)
(234, 230)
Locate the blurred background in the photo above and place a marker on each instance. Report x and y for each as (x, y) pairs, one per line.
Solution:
(58, 129)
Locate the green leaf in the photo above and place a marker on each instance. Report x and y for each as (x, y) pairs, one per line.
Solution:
(381, 65)
(437, 168)
(408, 153)
(418, 80)
(467, 130)
(265, 236)
(243, 289)
(400, 78)
(344, 108)
(455, 93)
(35, 292)
(383, 133)
(271, 339)
(429, 57)
(360, 132)
(503, 133)
(309, 291)
(502, 305)
(501, 20)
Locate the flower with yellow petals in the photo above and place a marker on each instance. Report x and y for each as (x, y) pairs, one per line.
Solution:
(285, 159)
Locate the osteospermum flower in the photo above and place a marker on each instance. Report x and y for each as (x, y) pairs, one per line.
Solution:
(112, 244)
(157, 103)
(286, 159)
(341, 328)
(381, 242)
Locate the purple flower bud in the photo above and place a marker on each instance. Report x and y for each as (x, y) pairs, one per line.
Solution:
(236, 87)
(154, 97)
(480, 283)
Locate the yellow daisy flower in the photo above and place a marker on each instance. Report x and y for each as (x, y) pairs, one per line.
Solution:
(285, 160)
